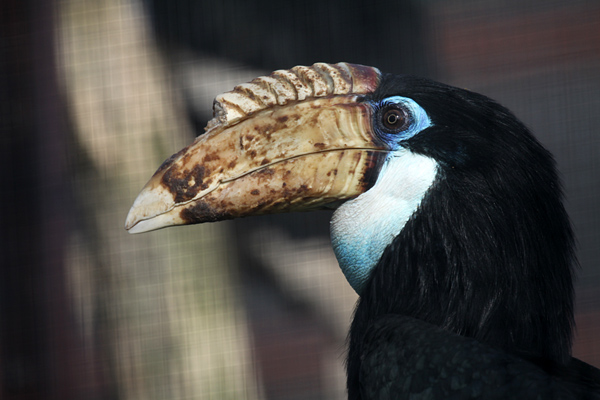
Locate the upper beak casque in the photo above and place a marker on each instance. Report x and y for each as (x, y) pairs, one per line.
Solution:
(296, 140)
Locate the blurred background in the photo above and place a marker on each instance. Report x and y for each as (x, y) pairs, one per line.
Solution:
(95, 94)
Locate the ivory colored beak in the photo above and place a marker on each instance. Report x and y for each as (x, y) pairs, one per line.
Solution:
(269, 151)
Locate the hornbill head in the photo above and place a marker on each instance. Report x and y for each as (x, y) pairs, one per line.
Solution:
(441, 188)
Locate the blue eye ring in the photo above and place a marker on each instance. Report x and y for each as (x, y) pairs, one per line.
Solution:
(399, 118)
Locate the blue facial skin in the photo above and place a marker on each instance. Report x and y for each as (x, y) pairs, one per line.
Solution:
(362, 228)
(418, 120)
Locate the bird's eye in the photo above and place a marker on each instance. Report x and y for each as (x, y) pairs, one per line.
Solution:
(398, 119)
(394, 118)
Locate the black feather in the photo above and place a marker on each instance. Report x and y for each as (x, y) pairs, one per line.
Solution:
(406, 358)
(489, 253)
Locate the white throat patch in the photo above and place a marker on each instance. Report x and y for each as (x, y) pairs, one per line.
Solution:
(362, 228)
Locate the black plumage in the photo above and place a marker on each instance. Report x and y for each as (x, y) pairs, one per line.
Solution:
(478, 284)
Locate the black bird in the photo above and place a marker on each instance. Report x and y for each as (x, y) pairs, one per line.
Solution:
(449, 224)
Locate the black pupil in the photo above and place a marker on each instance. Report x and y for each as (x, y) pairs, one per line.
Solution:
(392, 118)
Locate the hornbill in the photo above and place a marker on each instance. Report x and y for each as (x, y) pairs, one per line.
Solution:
(448, 223)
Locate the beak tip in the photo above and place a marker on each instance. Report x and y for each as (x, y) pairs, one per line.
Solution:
(131, 221)
(150, 211)
(135, 219)
(137, 227)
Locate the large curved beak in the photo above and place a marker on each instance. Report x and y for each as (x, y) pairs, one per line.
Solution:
(309, 153)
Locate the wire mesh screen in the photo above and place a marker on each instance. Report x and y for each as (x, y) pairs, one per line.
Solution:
(98, 94)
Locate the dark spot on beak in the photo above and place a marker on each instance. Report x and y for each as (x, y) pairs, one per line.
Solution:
(265, 161)
(282, 119)
(319, 146)
(255, 192)
(202, 212)
(184, 186)
(249, 93)
(265, 172)
(375, 160)
(211, 157)
(267, 131)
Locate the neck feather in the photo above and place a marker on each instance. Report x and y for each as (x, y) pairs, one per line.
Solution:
(495, 268)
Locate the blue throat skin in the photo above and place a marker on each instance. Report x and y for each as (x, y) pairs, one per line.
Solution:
(362, 228)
